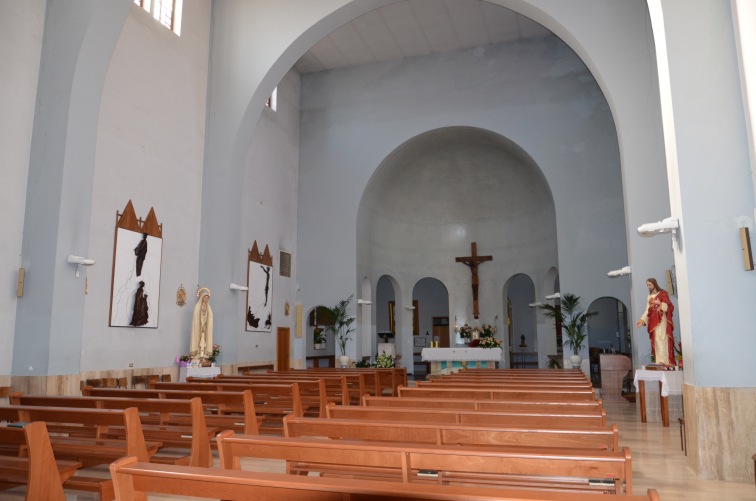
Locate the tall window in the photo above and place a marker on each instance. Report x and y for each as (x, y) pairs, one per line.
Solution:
(272, 101)
(166, 12)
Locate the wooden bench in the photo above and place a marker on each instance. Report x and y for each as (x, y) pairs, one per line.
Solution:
(606, 438)
(223, 410)
(38, 470)
(470, 417)
(505, 384)
(156, 416)
(484, 405)
(135, 480)
(388, 380)
(345, 388)
(89, 450)
(272, 401)
(497, 394)
(537, 468)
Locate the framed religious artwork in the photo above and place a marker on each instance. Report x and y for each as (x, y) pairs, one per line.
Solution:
(137, 257)
(259, 314)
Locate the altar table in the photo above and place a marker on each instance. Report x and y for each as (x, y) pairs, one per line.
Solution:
(462, 355)
(670, 383)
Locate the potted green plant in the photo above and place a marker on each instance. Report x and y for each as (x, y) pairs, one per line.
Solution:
(573, 322)
(341, 327)
(319, 338)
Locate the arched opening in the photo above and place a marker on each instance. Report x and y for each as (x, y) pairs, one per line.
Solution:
(608, 332)
(521, 322)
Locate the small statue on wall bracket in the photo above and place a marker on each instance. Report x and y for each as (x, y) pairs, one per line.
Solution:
(181, 296)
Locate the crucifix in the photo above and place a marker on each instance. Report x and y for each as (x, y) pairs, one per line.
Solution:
(473, 262)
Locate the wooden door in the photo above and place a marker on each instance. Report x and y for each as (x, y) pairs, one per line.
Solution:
(282, 349)
(441, 331)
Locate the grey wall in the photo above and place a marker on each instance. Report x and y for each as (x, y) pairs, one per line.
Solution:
(21, 25)
(570, 138)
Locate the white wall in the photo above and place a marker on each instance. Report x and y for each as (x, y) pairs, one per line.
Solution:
(150, 141)
(269, 215)
(21, 26)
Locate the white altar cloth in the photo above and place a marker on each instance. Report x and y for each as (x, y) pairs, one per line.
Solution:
(461, 354)
(671, 381)
(203, 372)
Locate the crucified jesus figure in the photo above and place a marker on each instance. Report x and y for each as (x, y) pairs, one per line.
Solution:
(473, 262)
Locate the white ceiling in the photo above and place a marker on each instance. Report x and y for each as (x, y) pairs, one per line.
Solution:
(415, 28)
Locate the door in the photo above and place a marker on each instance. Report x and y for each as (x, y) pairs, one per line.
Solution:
(282, 349)
(441, 331)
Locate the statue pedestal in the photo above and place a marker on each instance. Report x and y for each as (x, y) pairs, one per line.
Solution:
(202, 372)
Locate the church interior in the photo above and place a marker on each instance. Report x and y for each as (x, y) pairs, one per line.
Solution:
(248, 164)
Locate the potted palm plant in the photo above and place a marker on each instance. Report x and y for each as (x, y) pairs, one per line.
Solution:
(341, 327)
(573, 322)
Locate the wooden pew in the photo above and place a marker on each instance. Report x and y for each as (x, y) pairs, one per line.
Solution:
(272, 401)
(537, 468)
(39, 471)
(484, 405)
(158, 413)
(90, 451)
(606, 438)
(346, 389)
(497, 394)
(224, 410)
(505, 383)
(389, 379)
(470, 417)
(135, 480)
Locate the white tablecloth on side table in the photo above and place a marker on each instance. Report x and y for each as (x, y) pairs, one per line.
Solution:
(671, 381)
(204, 372)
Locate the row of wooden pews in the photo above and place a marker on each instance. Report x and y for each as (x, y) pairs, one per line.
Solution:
(533, 448)
(371, 456)
(551, 451)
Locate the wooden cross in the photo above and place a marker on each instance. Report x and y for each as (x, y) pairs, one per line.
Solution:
(473, 262)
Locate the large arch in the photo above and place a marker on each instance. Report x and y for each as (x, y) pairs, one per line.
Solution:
(235, 103)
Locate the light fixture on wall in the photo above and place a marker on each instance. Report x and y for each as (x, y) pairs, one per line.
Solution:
(537, 304)
(79, 260)
(556, 295)
(625, 270)
(364, 301)
(667, 225)
(409, 307)
(237, 287)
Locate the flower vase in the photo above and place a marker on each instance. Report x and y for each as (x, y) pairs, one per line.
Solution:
(184, 364)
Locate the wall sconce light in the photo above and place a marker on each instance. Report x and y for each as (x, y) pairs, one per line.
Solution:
(409, 307)
(364, 301)
(745, 247)
(625, 270)
(668, 225)
(556, 295)
(79, 260)
(237, 287)
(537, 304)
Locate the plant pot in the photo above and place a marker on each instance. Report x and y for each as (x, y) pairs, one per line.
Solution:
(344, 361)
(575, 360)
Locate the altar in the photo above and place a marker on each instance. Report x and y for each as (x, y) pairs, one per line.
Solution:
(446, 360)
